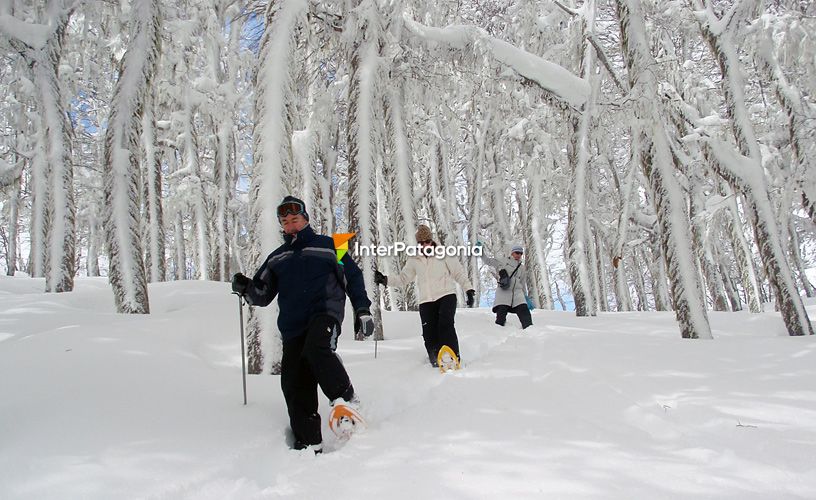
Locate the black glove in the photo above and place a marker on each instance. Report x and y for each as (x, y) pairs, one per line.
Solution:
(471, 297)
(240, 283)
(380, 278)
(363, 322)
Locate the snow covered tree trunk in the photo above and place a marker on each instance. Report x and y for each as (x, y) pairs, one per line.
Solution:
(195, 177)
(224, 188)
(122, 147)
(478, 135)
(640, 283)
(399, 178)
(728, 282)
(623, 297)
(153, 195)
(742, 252)
(11, 176)
(710, 270)
(498, 188)
(578, 261)
(737, 170)
(272, 162)
(527, 205)
(578, 156)
(447, 199)
(363, 56)
(798, 264)
(790, 98)
(744, 169)
(657, 270)
(13, 222)
(220, 68)
(180, 250)
(57, 215)
(39, 196)
(324, 194)
(94, 239)
(537, 253)
(658, 165)
(601, 291)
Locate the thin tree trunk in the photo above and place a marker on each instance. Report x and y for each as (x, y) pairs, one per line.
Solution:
(478, 133)
(94, 238)
(153, 196)
(39, 196)
(640, 283)
(14, 217)
(181, 250)
(223, 170)
(196, 177)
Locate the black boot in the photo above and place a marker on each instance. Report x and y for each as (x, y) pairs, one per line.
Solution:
(432, 358)
(300, 445)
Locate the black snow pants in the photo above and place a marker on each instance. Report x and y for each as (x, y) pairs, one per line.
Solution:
(437, 325)
(521, 310)
(309, 360)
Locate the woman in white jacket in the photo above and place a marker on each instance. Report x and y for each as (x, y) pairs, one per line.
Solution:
(436, 279)
(514, 297)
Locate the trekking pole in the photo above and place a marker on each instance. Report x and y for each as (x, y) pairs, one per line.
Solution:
(243, 349)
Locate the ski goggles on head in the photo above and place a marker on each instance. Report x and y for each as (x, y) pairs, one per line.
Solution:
(290, 208)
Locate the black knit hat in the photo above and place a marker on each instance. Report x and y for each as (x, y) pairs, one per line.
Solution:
(292, 199)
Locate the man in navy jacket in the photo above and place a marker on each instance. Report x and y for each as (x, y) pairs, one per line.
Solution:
(311, 287)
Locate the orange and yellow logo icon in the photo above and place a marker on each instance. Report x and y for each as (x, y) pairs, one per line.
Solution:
(341, 244)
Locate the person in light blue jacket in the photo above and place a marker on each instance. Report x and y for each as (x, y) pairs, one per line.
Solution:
(511, 292)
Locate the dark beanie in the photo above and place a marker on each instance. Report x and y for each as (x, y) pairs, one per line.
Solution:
(298, 200)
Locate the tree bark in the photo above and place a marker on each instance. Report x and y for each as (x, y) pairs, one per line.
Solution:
(122, 154)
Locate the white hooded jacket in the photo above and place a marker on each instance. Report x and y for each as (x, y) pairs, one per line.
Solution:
(516, 294)
(435, 277)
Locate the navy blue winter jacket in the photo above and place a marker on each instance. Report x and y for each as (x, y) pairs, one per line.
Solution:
(305, 276)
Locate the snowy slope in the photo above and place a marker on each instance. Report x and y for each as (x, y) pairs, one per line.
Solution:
(104, 406)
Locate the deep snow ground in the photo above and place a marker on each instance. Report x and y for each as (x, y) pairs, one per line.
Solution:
(105, 406)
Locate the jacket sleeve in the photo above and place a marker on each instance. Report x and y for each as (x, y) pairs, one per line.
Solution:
(355, 284)
(264, 287)
(458, 273)
(405, 277)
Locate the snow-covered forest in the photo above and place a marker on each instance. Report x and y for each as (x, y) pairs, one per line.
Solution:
(654, 155)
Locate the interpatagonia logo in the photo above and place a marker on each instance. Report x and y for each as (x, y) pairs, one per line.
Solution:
(341, 244)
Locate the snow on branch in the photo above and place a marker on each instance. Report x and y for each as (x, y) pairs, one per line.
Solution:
(9, 173)
(547, 75)
(605, 61)
(31, 34)
(734, 167)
